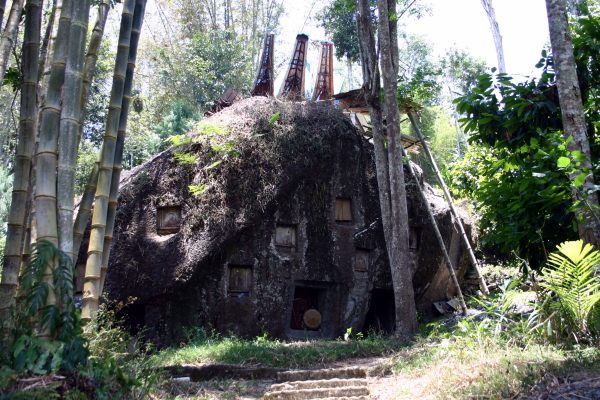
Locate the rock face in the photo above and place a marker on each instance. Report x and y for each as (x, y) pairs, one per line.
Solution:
(288, 222)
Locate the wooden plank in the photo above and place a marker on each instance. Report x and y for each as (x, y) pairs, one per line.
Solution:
(79, 279)
(346, 210)
(343, 210)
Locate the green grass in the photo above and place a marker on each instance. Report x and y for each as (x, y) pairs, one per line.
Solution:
(274, 353)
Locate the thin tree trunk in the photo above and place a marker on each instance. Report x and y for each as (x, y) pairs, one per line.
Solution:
(50, 53)
(406, 312)
(87, 200)
(46, 42)
(461, 228)
(9, 34)
(70, 123)
(93, 269)
(573, 117)
(2, 8)
(350, 77)
(491, 14)
(27, 127)
(138, 19)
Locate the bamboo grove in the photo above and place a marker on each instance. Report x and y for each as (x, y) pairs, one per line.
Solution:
(56, 71)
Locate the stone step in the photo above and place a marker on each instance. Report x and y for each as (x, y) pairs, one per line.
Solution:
(305, 394)
(347, 398)
(333, 373)
(322, 384)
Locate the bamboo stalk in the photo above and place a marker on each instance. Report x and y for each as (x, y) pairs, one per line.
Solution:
(138, 19)
(463, 234)
(439, 238)
(70, 123)
(27, 128)
(9, 33)
(46, 155)
(91, 290)
(87, 200)
(45, 196)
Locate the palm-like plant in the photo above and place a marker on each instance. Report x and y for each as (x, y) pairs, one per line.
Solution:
(570, 276)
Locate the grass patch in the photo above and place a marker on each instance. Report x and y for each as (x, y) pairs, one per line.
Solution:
(458, 367)
(274, 353)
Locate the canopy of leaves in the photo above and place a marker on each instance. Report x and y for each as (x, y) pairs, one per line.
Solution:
(519, 171)
(339, 22)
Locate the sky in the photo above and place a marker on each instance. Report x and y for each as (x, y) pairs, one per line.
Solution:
(453, 23)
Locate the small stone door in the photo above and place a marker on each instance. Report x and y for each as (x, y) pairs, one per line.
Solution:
(304, 300)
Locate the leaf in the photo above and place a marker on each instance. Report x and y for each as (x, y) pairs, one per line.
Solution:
(563, 162)
(580, 179)
(197, 189)
(211, 166)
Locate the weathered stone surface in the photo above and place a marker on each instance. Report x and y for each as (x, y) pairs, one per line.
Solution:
(321, 374)
(267, 240)
(320, 393)
(327, 383)
(206, 372)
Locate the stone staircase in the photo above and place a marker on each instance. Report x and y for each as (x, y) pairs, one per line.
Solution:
(325, 384)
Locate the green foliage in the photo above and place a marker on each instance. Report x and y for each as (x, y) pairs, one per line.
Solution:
(418, 74)
(181, 118)
(523, 194)
(570, 276)
(274, 119)
(185, 158)
(12, 78)
(338, 20)
(461, 71)
(48, 336)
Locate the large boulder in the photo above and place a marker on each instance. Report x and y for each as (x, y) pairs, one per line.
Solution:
(288, 221)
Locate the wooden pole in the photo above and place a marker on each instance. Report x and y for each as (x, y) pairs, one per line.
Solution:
(463, 234)
(438, 235)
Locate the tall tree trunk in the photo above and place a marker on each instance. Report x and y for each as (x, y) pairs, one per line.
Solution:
(70, 123)
(406, 312)
(27, 128)
(571, 107)
(87, 200)
(491, 14)
(93, 269)
(138, 19)
(9, 33)
(389, 193)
